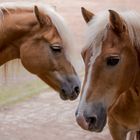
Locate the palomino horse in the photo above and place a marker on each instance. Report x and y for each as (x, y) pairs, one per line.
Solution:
(39, 36)
(112, 73)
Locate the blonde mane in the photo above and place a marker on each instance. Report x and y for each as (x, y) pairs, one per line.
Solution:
(49, 10)
(96, 29)
(58, 21)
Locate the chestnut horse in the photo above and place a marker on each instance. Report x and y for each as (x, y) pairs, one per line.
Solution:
(40, 37)
(112, 73)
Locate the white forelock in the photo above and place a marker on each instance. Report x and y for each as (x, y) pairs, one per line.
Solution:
(96, 29)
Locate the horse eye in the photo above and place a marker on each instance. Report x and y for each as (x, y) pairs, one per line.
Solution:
(113, 60)
(56, 48)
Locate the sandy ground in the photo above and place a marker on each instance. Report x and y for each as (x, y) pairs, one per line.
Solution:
(46, 117)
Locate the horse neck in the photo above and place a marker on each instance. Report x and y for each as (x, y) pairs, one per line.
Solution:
(14, 31)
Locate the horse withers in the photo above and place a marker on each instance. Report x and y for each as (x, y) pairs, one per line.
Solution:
(39, 36)
(112, 73)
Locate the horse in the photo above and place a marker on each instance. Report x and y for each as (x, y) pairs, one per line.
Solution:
(37, 35)
(111, 86)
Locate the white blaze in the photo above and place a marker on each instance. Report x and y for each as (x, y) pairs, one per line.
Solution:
(82, 103)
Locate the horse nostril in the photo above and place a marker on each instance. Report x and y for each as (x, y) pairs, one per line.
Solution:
(91, 119)
(76, 113)
(63, 91)
(92, 122)
(77, 89)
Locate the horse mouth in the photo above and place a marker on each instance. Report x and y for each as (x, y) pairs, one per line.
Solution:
(65, 96)
(94, 128)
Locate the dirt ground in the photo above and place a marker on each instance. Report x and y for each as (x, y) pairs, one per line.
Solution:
(46, 116)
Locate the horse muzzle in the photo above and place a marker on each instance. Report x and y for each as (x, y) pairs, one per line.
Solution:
(94, 120)
(70, 88)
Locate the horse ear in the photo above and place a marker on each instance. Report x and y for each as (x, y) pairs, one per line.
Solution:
(87, 15)
(41, 18)
(116, 22)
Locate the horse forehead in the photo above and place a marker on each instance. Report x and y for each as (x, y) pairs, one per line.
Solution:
(52, 35)
(111, 38)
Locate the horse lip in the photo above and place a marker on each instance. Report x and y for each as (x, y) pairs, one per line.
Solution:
(66, 96)
(74, 96)
(63, 97)
(97, 130)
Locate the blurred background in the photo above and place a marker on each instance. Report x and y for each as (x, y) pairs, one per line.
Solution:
(29, 109)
